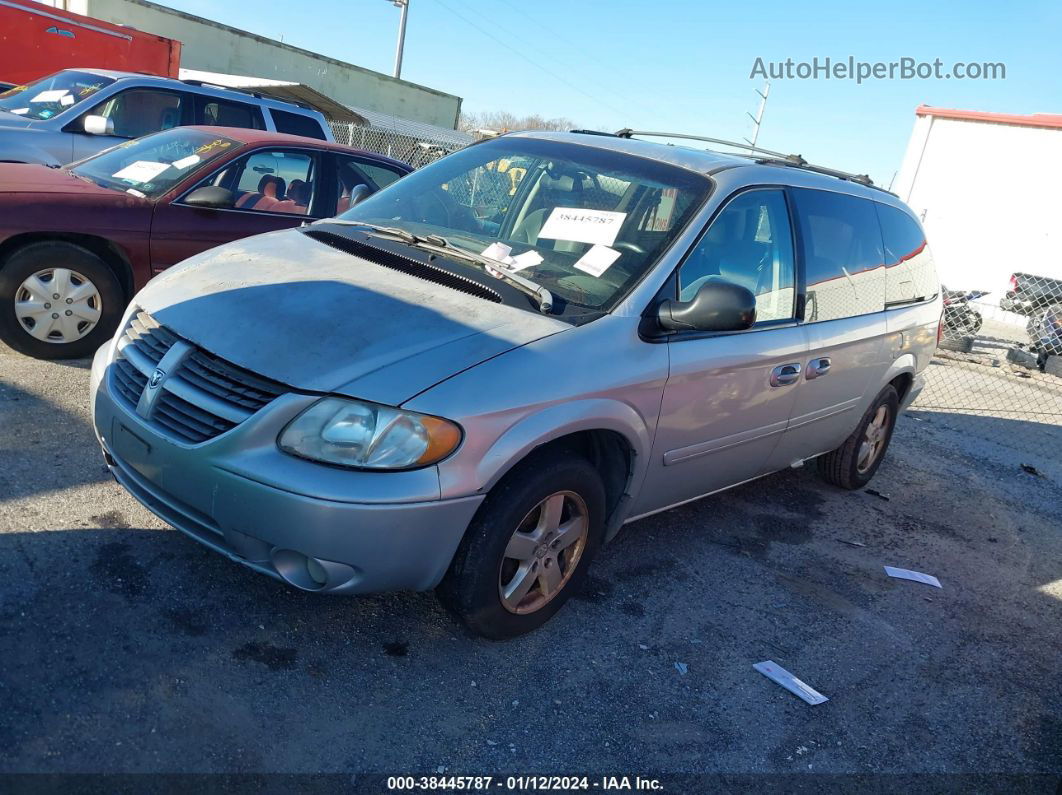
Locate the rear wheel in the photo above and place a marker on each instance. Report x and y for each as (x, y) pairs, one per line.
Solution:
(960, 344)
(853, 464)
(528, 548)
(57, 301)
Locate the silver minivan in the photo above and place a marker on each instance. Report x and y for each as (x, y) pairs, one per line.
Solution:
(472, 379)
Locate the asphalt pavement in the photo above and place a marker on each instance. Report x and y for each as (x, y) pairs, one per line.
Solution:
(127, 647)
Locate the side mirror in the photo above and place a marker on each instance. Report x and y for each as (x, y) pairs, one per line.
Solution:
(98, 125)
(210, 197)
(717, 306)
(358, 193)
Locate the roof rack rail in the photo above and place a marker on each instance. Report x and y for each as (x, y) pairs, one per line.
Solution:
(777, 158)
(245, 90)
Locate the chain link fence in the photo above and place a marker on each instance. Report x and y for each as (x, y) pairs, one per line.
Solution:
(997, 373)
(409, 147)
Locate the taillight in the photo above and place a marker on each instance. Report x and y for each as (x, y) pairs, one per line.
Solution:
(1013, 283)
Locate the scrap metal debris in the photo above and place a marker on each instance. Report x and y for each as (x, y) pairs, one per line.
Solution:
(877, 493)
(1030, 469)
(914, 576)
(781, 676)
(682, 668)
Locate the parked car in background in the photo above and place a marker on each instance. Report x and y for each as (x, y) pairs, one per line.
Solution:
(76, 113)
(1031, 295)
(473, 383)
(76, 242)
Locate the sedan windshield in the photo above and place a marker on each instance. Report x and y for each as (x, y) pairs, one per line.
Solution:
(52, 95)
(583, 222)
(152, 165)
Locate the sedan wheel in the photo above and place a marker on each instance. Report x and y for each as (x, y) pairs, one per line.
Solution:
(543, 552)
(58, 305)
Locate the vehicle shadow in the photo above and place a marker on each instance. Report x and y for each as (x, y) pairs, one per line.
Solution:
(43, 446)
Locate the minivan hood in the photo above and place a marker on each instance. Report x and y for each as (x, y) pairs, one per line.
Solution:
(317, 319)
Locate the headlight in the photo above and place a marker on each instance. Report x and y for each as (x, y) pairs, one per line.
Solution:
(366, 435)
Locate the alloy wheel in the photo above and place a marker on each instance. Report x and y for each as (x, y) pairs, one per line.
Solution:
(873, 440)
(543, 552)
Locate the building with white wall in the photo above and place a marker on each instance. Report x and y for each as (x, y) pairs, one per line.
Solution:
(212, 47)
(986, 186)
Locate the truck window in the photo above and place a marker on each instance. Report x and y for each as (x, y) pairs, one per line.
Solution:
(223, 113)
(139, 111)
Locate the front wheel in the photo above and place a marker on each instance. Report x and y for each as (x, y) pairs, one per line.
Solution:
(853, 464)
(57, 301)
(528, 548)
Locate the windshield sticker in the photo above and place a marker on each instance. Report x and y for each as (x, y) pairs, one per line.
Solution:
(597, 260)
(50, 96)
(14, 90)
(68, 99)
(185, 162)
(141, 171)
(21, 111)
(598, 227)
(136, 193)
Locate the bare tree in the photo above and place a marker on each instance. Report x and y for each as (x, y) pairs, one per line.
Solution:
(503, 121)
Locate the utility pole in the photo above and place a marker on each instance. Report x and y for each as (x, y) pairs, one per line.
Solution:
(404, 5)
(757, 120)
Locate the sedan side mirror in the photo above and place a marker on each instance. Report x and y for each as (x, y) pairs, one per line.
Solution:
(98, 125)
(210, 197)
(717, 306)
(358, 193)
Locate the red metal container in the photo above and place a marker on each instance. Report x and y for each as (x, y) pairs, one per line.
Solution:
(37, 40)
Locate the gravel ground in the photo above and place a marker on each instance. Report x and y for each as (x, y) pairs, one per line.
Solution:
(127, 647)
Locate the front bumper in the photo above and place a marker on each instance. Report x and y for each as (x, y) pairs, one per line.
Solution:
(315, 527)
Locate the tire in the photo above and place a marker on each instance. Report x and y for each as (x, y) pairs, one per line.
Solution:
(845, 467)
(1053, 366)
(472, 587)
(1021, 358)
(84, 273)
(960, 344)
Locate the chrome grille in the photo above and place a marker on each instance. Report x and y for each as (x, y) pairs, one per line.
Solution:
(199, 395)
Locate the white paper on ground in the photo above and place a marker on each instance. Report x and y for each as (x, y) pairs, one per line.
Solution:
(51, 96)
(184, 162)
(915, 576)
(582, 226)
(781, 676)
(597, 260)
(141, 171)
(528, 259)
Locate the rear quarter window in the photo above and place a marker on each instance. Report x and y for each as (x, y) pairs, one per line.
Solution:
(843, 256)
(910, 274)
(297, 124)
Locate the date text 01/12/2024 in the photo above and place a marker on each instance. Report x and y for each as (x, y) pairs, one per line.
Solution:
(523, 783)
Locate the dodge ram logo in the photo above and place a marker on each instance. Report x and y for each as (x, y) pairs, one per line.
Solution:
(156, 378)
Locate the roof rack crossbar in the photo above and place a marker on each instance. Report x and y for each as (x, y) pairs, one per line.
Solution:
(776, 158)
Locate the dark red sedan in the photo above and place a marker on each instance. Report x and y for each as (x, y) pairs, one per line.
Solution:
(77, 242)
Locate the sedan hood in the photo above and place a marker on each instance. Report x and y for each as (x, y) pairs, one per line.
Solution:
(318, 319)
(31, 178)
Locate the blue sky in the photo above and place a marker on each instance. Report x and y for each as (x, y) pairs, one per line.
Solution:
(684, 65)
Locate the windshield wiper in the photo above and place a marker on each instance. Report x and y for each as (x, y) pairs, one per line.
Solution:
(440, 245)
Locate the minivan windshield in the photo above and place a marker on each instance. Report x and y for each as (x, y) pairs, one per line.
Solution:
(52, 95)
(584, 222)
(151, 165)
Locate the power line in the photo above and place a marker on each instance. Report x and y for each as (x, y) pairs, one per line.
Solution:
(530, 60)
(582, 48)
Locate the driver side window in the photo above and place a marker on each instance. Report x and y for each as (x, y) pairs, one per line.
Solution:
(749, 243)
